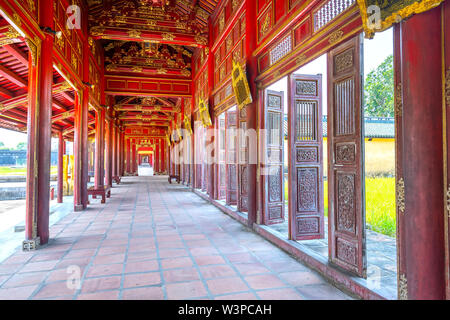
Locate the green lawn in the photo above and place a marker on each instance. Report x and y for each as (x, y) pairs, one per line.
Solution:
(380, 204)
(8, 171)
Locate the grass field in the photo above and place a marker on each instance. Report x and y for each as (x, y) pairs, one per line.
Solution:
(9, 171)
(380, 204)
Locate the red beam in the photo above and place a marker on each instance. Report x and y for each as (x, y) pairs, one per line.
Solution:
(11, 76)
(127, 34)
(15, 51)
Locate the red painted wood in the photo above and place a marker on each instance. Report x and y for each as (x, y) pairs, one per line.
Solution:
(157, 169)
(99, 149)
(446, 28)
(272, 176)
(347, 232)
(423, 155)
(251, 109)
(306, 207)
(60, 177)
(108, 149)
(43, 127)
(128, 156)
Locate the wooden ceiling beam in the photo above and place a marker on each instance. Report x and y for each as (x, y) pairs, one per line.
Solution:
(14, 78)
(129, 34)
(15, 51)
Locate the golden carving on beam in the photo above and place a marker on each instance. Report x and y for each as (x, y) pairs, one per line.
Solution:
(97, 31)
(186, 73)
(447, 87)
(390, 12)
(16, 19)
(151, 23)
(187, 125)
(74, 62)
(300, 59)
(228, 44)
(335, 36)
(31, 5)
(161, 71)
(221, 21)
(398, 100)
(168, 36)
(401, 195)
(136, 69)
(34, 46)
(134, 33)
(402, 287)
(111, 67)
(181, 25)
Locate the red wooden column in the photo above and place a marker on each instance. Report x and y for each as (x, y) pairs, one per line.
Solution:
(423, 157)
(252, 72)
(133, 160)
(39, 134)
(60, 166)
(114, 150)
(108, 146)
(156, 170)
(128, 156)
(446, 73)
(99, 148)
(163, 155)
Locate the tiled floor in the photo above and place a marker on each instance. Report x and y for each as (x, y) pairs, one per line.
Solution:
(153, 240)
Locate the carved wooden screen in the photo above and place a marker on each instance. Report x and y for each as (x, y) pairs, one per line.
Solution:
(230, 146)
(221, 168)
(242, 160)
(346, 158)
(272, 170)
(306, 220)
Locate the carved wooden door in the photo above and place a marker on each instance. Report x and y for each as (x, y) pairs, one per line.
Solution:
(230, 147)
(306, 213)
(242, 162)
(347, 247)
(221, 170)
(272, 170)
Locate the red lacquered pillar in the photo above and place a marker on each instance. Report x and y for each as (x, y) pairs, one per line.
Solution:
(156, 171)
(99, 148)
(252, 72)
(446, 75)
(39, 133)
(114, 150)
(133, 161)
(423, 156)
(60, 166)
(128, 156)
(108, 162)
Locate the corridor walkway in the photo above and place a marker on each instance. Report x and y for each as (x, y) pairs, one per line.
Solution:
(153, 240)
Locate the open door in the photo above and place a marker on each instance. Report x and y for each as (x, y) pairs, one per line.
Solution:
(221, 170)
(273, 167)
(242, 162)
(347, 239)
(230, 143)
(305, 158)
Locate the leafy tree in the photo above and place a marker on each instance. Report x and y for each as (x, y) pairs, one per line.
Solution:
(379, 90)
(21, 146)
(2, 144)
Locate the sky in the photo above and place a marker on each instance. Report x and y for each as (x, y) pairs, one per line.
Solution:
(375, 52)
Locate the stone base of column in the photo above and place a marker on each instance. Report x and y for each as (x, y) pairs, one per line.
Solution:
(30, 245)
(78, 207)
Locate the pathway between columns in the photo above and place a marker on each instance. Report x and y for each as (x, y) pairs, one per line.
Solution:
(153, 240)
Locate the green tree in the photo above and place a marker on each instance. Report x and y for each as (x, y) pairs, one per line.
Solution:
(2, 144)
(379, 90)
(21, 146)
